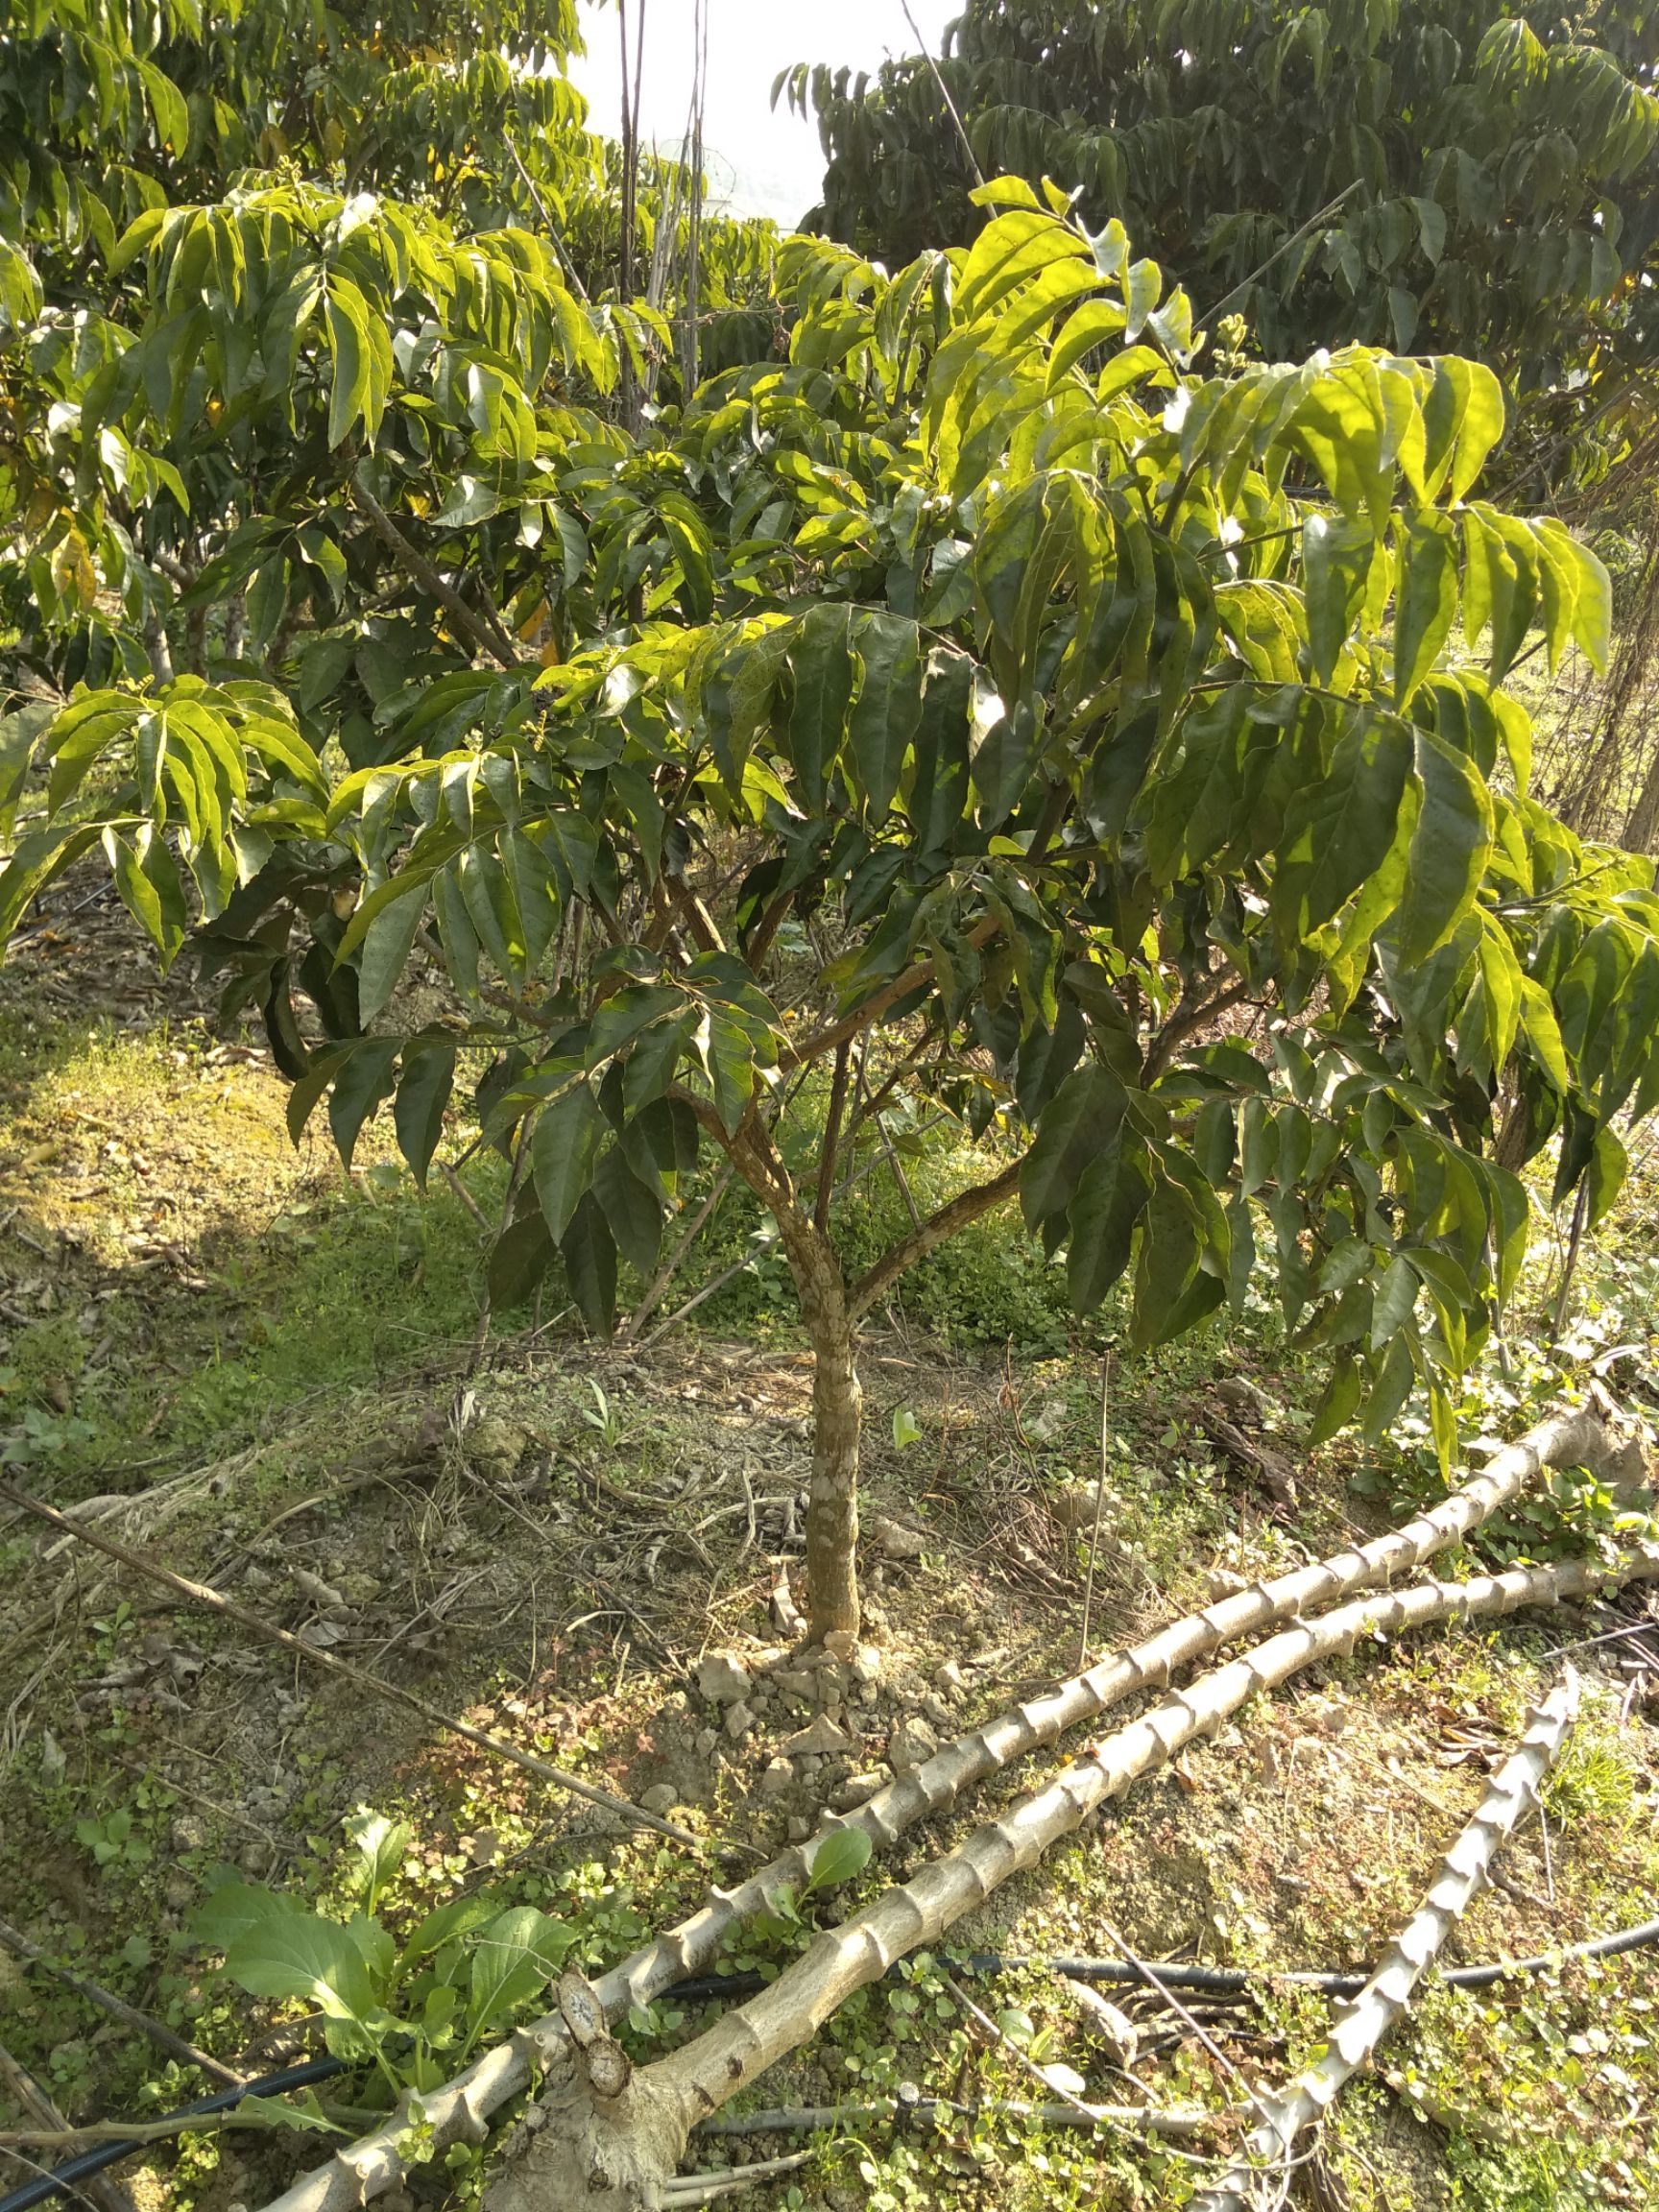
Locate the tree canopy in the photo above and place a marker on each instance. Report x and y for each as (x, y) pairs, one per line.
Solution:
(985, 698)
(1456, 175)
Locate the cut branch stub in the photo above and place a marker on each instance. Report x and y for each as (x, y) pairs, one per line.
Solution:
(362, 2170)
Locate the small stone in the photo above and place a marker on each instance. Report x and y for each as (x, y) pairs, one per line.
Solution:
(841, 1643)
(1075, 1504)
(722, 1679)
(661, 1797)
(911, 1744)
(180, 1892)
(950, 1680)
(738, 1722)
(795, 1680)
(1114, 2031)
(866, 1693)
(800, 1827)
(706, 1740)
(895, 1541)
(819, 1736)
(1221, 1582)
(857, 1790)
(936, 1711)
(778, 1776)
(811, 1767)
(866, 1664)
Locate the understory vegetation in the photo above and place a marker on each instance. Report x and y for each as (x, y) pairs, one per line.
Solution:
(760, 989)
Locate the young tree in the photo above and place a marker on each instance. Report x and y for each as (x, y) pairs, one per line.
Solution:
(985, 698)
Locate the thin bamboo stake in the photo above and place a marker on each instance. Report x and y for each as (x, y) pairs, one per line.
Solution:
(361, 2170)
(1099, 1509)
(616, 2134)
(1358, 2026)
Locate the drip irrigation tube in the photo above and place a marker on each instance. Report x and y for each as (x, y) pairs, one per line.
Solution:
(1217, 1981)
(86, 2163)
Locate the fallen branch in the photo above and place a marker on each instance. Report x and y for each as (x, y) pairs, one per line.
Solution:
(214, 1602)
(461, 2108)
(709, 2188)
(1360, 2025)
(609, 2136)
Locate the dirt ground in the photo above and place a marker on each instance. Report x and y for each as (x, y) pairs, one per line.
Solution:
(550, 1542)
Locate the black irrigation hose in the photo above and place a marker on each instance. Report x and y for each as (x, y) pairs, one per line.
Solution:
(90, 2162)
(1217, 1981)
(1214, 1980)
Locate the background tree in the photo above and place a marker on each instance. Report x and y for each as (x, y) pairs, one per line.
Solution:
(1452, 175)
(983, 700)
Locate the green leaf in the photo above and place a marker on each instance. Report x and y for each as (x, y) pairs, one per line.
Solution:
(842, 1854)
(1394, 1302)
(562, 1150)
(382, 1845)
(1425, 603)
(888, 708)
(1337, 831)
(387, 943)
(364, 1079)
(589, 1251)
(517, 1956)
(448, 1922)
(1110, 1198)
(1095, 322)
(906, 1428)
(518, 1259)
(1172, 1247)
(1390, 1390)
(821, 668)
(1449, 850)
(346, 321)
(1336, 557)
(306, 2116)
(424, 1084)
(1338, 1401)
(300, 1955)
(631, 1210)
(233, 1906)
(1078, 1123)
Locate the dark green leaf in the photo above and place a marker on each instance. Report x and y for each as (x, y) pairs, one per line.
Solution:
(562, 1154)
(631, 1210)
(589, 1255)
(423, 1088)
(1077, 1123)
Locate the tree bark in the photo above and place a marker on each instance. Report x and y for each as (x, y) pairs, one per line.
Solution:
(837, 1398)
(837, 1416)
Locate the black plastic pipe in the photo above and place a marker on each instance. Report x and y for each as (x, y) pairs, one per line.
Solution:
(90, 2162)
(1215, 1981)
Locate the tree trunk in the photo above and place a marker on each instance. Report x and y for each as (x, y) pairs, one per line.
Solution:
(837, 1412)
(837, 1399)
